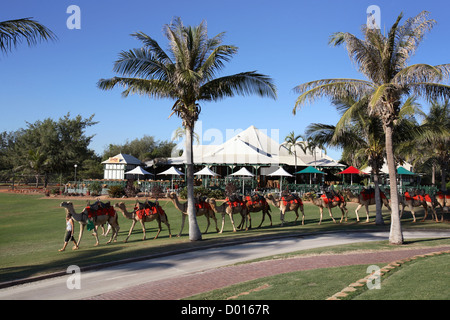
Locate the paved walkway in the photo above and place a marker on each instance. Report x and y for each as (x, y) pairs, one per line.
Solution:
(188, 285)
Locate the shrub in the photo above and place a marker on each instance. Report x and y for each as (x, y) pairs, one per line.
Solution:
(95, 188)
(116, 191)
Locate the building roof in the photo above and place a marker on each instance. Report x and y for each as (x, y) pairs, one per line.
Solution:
(253, 146)
(123, 159)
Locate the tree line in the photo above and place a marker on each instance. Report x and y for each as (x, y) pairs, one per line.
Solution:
(49, 149)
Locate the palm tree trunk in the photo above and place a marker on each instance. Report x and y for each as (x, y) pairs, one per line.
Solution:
(396, 235)
(378, 205)
(194, 230)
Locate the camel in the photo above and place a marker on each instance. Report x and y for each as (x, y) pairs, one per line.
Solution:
(324, 203)
(256, 204)
(286, 206)
(135, 216)
(444, 201)
(365, 199)
(98, 220)
(418, 201)
(200, 210)
(230, 208)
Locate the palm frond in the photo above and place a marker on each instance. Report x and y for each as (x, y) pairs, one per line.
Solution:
(331, 88)
(430, 91)
(244, 83)
(150, 87)
(14, 32)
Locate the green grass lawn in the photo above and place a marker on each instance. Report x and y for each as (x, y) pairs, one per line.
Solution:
(32, 230)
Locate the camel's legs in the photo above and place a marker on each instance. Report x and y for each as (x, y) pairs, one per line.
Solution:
(303, 215)
(367, 213)
(321, 214)
(343, 214)
(143, 228)
(213, 216)
(80, 235)
(183, 219)
(208, 223)
(131, 230)
(232, 222)
(159, 227)
(282, 217)
(356, 211)
(331, 214)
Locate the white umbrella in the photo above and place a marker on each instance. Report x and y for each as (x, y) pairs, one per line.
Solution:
(206, 172)
(280, 172)
(243, 172)
(172, 171)
(139, 171)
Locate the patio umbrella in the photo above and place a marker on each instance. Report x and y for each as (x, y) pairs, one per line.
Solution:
(243, 172)
(310, 170)
(206, 172)
(173, 172)
(280, 172)
(139, 171)
(351, 171)
(402, 171)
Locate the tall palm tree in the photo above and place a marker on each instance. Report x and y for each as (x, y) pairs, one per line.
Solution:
(13, 32)
(383, 60)
(187, 74)
(433, 144)
(292, 141)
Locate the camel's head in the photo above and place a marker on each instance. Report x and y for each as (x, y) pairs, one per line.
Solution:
(269, 196)
(211, 201)
(172, 195)
(308, 195)
(66, 204)
(120, 205)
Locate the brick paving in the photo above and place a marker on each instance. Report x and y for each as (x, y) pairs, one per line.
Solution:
(198, 282)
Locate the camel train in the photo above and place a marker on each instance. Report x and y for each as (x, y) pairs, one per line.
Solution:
(100, 213)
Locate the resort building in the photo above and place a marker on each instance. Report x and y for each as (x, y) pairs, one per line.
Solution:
(115, 167)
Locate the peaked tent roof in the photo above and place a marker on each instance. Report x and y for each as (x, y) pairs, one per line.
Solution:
(174, 171)
(281, 173)
(401, 170)
(123, 159)
(351, 170)
(310, 170)
(138, 170)
(253, 146)
(243, 172)
(206, 172)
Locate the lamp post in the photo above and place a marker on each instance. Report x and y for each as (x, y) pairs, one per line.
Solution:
(75, 166)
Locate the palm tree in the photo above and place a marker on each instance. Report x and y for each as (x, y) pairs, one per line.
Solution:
(433, 144)
(383, 60)
(13, 32)
(292, 141)
(186, 74)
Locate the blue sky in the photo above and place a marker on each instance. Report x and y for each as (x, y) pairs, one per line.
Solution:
(287, 40)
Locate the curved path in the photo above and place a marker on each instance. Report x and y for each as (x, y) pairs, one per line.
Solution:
(182, 275)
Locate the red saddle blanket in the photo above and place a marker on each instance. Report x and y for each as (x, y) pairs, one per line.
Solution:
(149, 211)
(334, 199)
(418, 197)
(235, 203)
(440, 195)
(291, 201)
(251, 201)
(366, 195)
(100, 212)
(203, 205)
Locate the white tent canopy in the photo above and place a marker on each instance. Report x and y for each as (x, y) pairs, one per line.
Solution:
(243, 172)
(254, 146)
(206, 172)
(139, 171)
(173, 171)
(280, 173)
